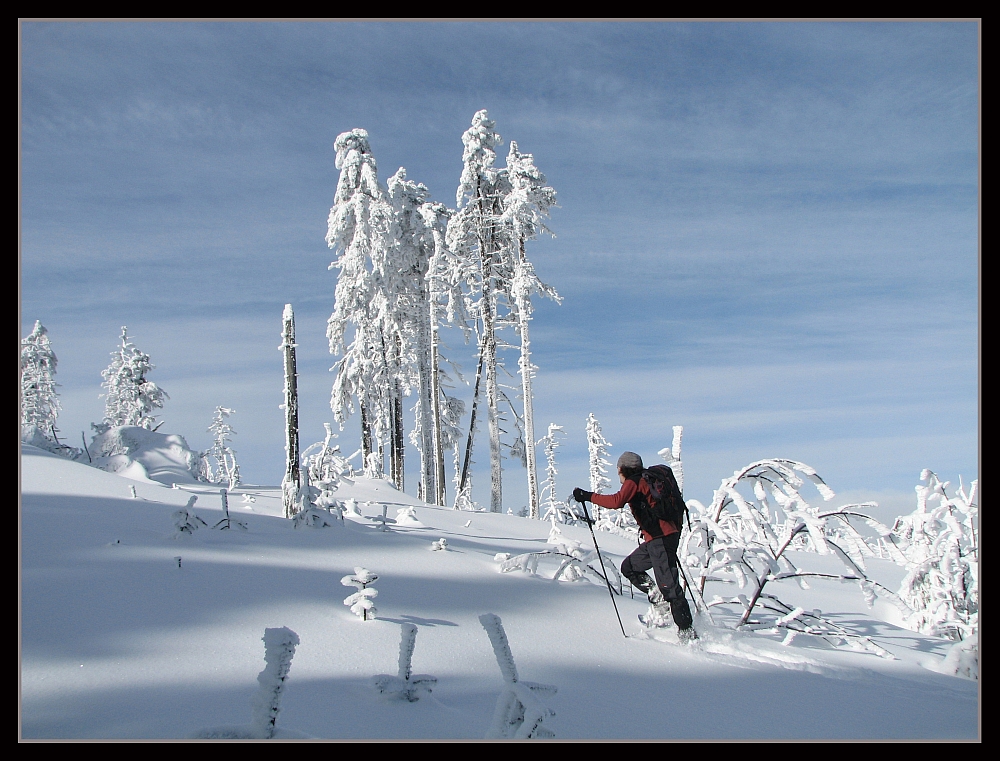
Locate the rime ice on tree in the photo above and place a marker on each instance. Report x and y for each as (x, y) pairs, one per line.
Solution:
(129, 397)
(597, 449)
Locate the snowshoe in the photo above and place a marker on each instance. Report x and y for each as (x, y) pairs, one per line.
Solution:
(658, 616)
(687, 636)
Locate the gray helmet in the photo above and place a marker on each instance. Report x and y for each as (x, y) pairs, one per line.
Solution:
(630, 460)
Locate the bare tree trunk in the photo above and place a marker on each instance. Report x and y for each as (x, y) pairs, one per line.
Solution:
(464, 480)
(366, 437)
(439, 477)
(290, 483)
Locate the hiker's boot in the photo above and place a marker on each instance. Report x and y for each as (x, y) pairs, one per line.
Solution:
(641, 581)
(655, 597)
(687, 636)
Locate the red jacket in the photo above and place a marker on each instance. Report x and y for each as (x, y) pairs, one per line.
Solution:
(634, 493)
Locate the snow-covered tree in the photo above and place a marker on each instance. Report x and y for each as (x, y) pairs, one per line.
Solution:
(226, 469)
(39, 400)
(361, 601)
(359, 230)
(525, 207)
(130, 398)
(597, 448)
(475, 236)
(940, 545)
(672, 457)
(553, 505)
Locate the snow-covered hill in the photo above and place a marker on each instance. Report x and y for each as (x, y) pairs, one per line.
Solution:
(129, 632)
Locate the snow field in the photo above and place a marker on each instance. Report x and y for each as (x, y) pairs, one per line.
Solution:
(117, 641)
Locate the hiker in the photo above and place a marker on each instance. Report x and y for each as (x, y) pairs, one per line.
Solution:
(658, 549)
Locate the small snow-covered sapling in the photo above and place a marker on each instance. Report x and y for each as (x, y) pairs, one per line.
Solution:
(405, 685)
(185, 521)
(131, 490)
(361, 601)
(519, 713)
(279, 648)
(440, 544)
(382, 520)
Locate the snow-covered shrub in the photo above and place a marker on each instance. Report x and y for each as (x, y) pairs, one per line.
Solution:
(962, 658)
(939, 545)
(279, 648)
(141, 453)
(326, 467)
(185, 521)
(226, 470)
(407, 516)
(130, 398)
(574, 562)
(519, 712)
(440, 544)
(361, 601)
(405, 685)
(743, 540)
(314, 517)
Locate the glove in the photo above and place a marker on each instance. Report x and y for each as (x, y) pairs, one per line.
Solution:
(582, 496)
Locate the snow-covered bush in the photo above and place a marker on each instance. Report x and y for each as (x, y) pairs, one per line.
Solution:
(573, 561)
(143, 454)
(226, 470)
(314, 517)
(130, 398)
(185, 521)
(743, 540)
(439, 544)
(939, 546)
(326, 466)
(361, 601)
(405, 685)
(519, 712)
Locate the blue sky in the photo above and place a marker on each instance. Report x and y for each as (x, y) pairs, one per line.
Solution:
(768, 232)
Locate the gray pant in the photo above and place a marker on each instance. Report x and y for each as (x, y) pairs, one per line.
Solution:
(660, 554)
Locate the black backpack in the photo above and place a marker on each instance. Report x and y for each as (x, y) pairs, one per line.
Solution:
(666, 503)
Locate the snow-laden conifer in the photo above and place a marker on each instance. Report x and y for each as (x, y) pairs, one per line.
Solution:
(129, 397)
(475, 235)
(39, 400)
(553, 505)
(226, 469)
(597, 450)
(526, 207)
(359, 231)
(361, 601)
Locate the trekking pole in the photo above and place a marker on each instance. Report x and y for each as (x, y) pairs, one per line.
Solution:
(607, 581)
